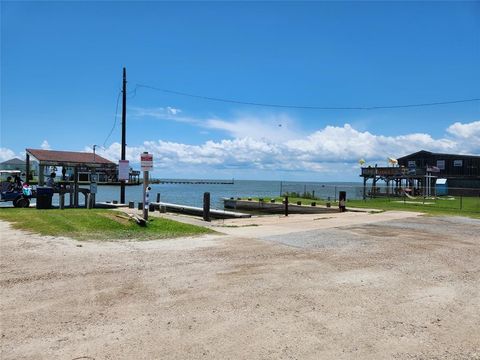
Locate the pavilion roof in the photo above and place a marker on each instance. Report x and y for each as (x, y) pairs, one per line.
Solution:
(68, 158)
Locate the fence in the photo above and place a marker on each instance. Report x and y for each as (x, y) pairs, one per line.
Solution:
(319, 191)
(464, 199)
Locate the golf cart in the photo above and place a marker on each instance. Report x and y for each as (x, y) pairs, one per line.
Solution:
(19, 196)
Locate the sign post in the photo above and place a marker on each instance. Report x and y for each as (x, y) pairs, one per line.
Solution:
(146, 162)
(123, 169)
(93, 190)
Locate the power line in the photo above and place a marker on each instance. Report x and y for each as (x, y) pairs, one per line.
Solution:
(114, 121)
(134, 92)
(305, 107)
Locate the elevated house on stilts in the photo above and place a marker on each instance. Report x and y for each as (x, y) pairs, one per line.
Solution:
(417, 174)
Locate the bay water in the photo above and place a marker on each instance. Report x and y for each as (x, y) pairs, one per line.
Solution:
(192, 194)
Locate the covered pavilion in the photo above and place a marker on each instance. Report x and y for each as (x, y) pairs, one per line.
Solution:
(78, 161)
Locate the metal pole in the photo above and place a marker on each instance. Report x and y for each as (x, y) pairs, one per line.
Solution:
(94, 146)
(145, 195)
(124, 126)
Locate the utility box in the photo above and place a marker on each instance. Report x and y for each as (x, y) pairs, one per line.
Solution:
(441, 187)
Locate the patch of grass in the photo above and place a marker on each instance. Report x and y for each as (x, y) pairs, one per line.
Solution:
(467, 206)
(456, 206)
(96, 224)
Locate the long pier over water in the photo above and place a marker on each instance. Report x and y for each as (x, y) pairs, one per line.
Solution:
(192, 182)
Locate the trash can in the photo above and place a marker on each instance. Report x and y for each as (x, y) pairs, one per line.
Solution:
(44, 197)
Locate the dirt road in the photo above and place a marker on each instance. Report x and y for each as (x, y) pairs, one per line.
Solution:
(385, 287)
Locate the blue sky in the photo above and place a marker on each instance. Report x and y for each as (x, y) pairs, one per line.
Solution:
(61, 68)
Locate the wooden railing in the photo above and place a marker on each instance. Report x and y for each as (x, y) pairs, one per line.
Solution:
(391, 171)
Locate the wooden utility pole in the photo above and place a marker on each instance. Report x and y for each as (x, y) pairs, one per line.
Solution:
(124, 127)
(206, 206)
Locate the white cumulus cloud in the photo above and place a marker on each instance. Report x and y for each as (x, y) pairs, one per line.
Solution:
(335, 143)
(45, 145)
(465, 130)
(466, 135)
(330, 151)
(6, 154)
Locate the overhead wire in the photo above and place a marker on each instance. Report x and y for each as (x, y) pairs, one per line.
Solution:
(134, 92)
(115, 119)
(304, 107)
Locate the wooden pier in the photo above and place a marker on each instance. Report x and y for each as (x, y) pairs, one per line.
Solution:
(192, 182)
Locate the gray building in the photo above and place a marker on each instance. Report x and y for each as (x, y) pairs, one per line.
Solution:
(19, 164)
(461, 171)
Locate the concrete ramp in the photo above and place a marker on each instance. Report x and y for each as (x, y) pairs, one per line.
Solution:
(197, 211)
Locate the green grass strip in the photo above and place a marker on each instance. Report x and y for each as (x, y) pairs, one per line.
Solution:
(95, 224)
(468, 206)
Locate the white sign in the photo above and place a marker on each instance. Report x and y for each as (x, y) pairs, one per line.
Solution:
(146, 162)
(123, 169)
(457, 163)
(93, 188)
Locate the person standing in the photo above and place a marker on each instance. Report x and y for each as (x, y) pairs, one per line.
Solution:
(51, 180)
(17, 181)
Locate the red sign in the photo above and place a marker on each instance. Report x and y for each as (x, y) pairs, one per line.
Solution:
(146, 162)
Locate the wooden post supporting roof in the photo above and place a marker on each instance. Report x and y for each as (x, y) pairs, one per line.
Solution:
(75, 187)
(27, 168)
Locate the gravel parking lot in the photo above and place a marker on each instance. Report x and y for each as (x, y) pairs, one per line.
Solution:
(354, 286)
